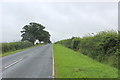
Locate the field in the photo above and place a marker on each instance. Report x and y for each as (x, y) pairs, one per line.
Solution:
(70, 64)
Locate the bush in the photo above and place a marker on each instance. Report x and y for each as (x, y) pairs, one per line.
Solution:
(103, 46)
(12, 46)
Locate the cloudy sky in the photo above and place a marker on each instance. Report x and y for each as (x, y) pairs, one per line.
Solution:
(62, 19)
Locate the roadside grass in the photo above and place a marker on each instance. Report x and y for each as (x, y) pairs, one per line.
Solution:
(71, 64)
(16, 51)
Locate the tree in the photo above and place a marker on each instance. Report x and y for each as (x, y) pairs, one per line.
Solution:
(35, 31)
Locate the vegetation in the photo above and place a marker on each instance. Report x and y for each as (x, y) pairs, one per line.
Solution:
(12, 46)
(103, 47)
(16, 51)
(35, 31)
(70, 64)
(13, 52)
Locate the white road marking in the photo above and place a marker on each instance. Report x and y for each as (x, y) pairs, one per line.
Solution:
(13, 63)
(53, 72)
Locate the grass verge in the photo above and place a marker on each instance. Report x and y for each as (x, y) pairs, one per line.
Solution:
(16, 51)
(70, 64)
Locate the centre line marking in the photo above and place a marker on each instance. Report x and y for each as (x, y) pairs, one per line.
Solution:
(13, 63)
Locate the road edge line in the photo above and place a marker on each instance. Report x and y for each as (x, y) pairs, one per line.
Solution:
(53, 68)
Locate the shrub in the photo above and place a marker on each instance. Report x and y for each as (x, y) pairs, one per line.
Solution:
(104, 46)
(12, 46)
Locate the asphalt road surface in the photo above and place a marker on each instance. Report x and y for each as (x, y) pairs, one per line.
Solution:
(31, 63)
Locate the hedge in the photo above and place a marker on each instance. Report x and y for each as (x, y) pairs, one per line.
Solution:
(12, 46)
(103, 46)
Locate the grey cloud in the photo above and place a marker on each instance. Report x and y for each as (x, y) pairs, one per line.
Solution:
(62, 20)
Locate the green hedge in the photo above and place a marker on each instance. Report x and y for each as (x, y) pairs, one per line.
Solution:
(12, 46)
(103, 46)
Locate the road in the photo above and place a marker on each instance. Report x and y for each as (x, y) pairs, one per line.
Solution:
(31, 63)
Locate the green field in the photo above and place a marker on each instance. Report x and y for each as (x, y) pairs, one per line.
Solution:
(70, 64)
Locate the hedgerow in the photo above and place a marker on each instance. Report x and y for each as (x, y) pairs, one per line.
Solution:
(12, 46)
(103, 47)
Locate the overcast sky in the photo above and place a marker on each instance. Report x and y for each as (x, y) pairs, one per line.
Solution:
(62, 20)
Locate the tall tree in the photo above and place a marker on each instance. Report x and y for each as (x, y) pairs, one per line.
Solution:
(35, 31)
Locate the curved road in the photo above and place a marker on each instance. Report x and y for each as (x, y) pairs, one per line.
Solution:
(31, 63)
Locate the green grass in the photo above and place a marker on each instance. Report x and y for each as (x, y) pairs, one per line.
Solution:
(16, 51)
(71, 64)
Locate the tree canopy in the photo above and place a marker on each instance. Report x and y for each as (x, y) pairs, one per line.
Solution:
(35, 31)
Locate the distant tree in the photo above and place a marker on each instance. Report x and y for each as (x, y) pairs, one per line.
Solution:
(35, 31)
